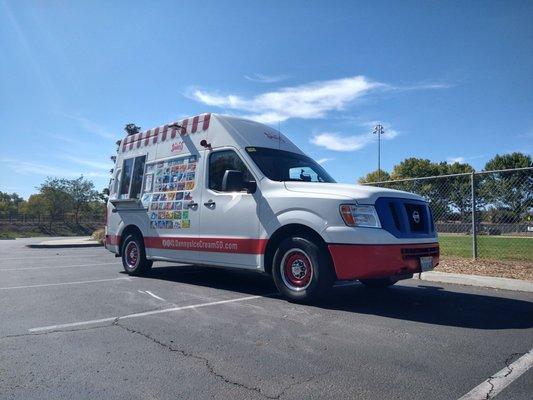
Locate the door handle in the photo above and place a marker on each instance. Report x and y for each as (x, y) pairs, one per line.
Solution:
(209, 203)
(192, 204)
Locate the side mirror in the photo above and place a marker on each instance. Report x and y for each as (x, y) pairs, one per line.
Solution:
(233, 181)
(251, 186)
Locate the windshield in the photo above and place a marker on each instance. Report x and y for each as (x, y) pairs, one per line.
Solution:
(280, 165)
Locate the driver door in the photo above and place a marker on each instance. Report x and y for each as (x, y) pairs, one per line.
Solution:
(229, 223)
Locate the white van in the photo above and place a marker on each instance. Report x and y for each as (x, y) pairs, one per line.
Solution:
(225, 191)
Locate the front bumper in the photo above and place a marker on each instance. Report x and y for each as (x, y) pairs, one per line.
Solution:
(364, 261)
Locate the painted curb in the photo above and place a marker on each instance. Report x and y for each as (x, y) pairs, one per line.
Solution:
(477, 280)
(63, 246)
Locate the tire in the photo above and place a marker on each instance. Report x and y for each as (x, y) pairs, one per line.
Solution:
(134, 256)
(378, 283)
(302, 269)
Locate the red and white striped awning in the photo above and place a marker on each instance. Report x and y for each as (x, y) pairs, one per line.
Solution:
(191, 125)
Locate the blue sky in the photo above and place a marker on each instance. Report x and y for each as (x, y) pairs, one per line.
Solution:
(448, 80)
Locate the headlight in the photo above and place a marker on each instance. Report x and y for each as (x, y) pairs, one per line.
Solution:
(363, 216)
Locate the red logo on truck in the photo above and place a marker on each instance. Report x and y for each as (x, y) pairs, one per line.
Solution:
(177, 147)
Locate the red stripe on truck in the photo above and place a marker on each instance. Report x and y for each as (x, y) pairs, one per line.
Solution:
(207, 118)
(184, 126)
(112, 240)
(220, 245)
(173, 131)
(195, 124)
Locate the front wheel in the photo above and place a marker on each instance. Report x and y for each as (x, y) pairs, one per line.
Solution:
(134, 258)
(302, 269)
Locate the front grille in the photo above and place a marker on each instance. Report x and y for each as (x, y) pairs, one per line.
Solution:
(416, 215)
(420, 252)
(405, 218)
(395, 216)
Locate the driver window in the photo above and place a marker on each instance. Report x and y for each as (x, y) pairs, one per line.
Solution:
(221, 161)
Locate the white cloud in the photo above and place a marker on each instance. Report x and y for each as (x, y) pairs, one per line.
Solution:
(93, 127)
(462, 159)
(421, 86)
(309, 101)
(337, 142)
(33, 168)
(87, 163)
(66, 139)
(322, 161)
(527, 135)
(452, 160)
(262, 78)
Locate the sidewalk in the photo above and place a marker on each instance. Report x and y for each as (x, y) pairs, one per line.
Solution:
(77, 241)
(477, 280)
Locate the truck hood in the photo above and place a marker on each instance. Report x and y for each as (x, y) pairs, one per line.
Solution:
(360, 193)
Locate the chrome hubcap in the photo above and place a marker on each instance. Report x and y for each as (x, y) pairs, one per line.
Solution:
(132, 254)
(296, 269)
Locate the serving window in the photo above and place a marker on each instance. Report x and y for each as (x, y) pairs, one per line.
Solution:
(132, 177)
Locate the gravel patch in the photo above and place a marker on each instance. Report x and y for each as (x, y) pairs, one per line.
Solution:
(502, 269)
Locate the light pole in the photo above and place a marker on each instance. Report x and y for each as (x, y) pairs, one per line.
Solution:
(378, 130)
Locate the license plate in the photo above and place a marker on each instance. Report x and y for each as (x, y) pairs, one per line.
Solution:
(426, 263)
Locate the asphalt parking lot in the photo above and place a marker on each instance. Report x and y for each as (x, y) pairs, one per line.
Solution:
(73, 325)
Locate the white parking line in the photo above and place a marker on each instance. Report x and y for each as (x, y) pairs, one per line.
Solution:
(142, 314)
(48, 257)
(500, 380)
(151, 294)
(58, 266)
(64, 283)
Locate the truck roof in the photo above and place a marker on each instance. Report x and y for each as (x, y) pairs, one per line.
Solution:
(218, 130)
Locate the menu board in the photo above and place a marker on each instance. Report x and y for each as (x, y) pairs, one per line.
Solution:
(171, 182)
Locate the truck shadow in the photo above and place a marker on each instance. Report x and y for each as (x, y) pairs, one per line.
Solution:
(411, 300)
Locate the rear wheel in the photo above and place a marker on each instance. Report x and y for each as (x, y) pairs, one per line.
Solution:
(134, 256)
(379, 283)
(302, 270)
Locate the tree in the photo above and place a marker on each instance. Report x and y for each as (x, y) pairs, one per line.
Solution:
(36, 206)
(57, 202)
(508, 190)
(10, 203)
(415, 168)
(81, 192)
(375, 176)
(459, 188)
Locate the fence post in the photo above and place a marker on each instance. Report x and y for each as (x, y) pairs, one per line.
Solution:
(474, 224)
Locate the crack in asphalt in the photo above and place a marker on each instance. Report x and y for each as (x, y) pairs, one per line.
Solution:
(508, 360)
(210, 367)
(56, 331)
(204, 360)
(187, 354)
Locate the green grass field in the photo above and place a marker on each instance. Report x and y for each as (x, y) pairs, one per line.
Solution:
(493, 247)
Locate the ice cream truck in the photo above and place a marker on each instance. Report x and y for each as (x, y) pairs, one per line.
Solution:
(218, 190)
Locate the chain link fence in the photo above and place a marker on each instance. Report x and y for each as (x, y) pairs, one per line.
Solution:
(486, 215)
